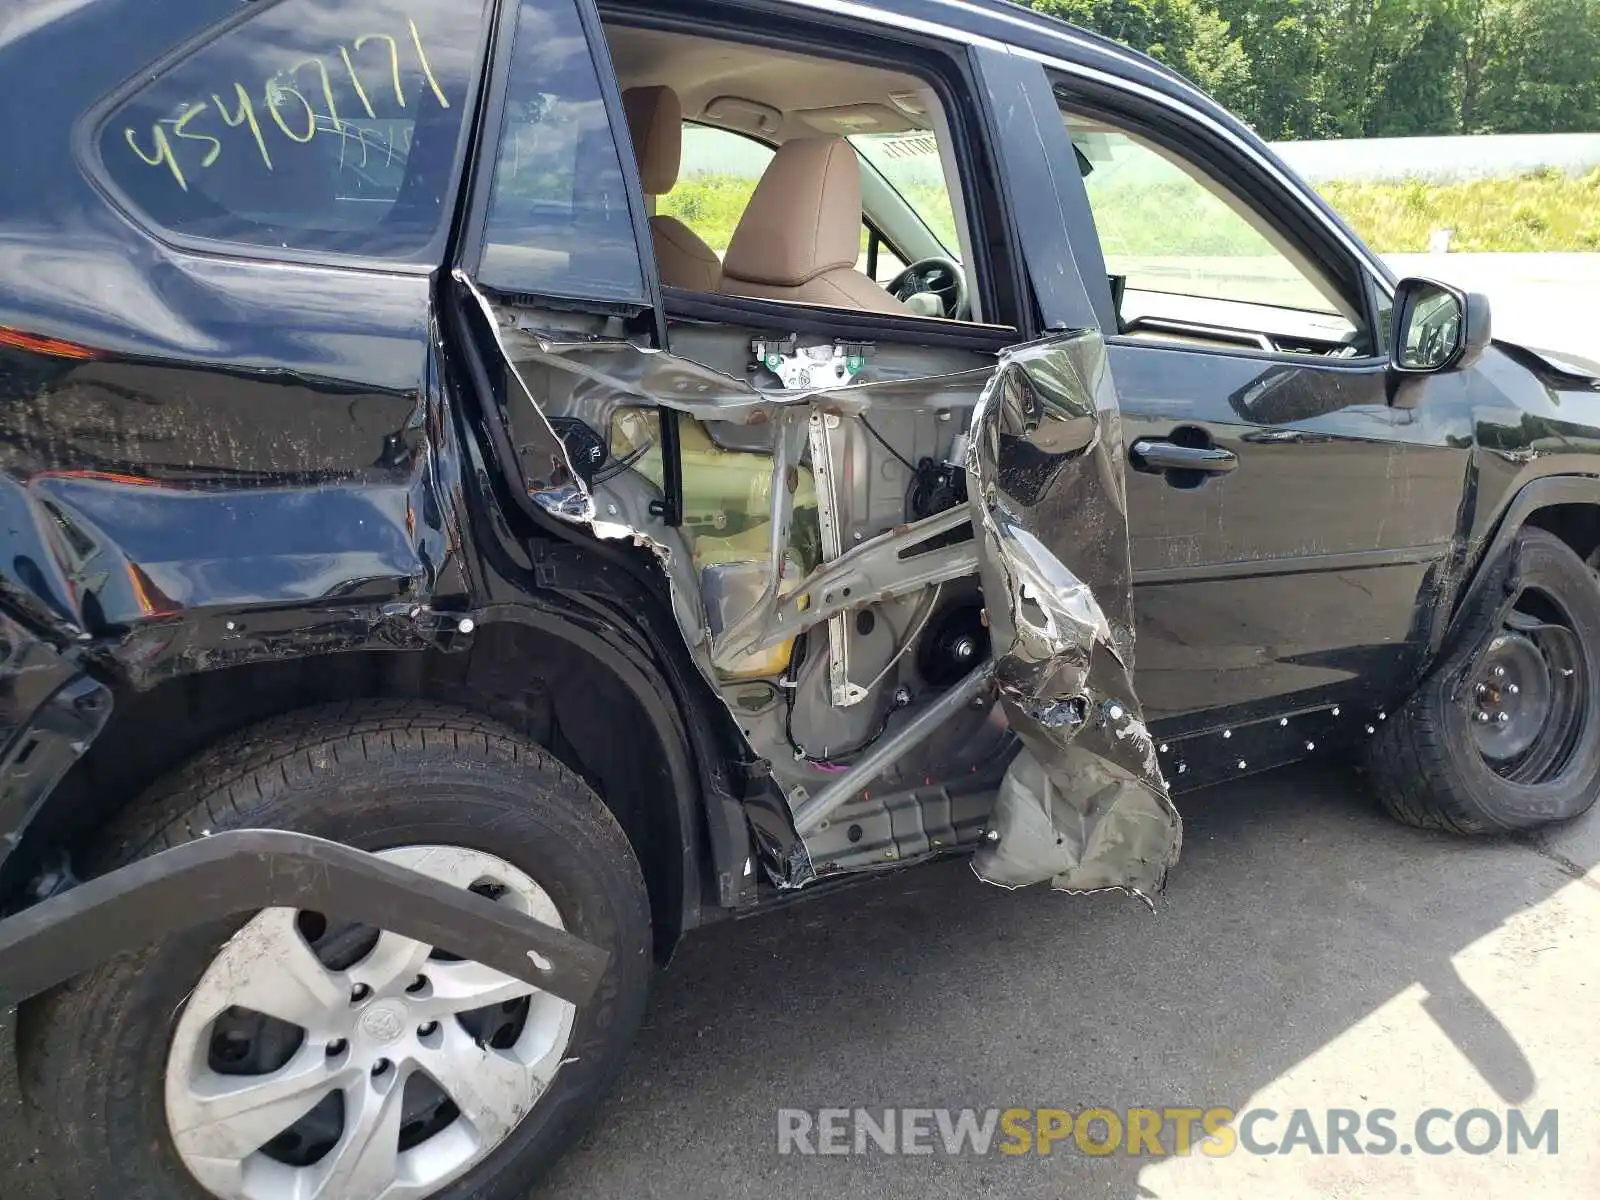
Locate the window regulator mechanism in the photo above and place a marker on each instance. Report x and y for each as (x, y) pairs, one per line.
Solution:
(812, 368)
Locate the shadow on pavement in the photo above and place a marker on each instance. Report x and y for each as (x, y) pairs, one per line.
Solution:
(1298, 908)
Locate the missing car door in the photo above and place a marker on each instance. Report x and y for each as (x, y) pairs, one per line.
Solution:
(898, 548)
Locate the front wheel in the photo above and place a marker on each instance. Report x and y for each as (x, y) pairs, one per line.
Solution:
(298, 1057)
(1505, 733)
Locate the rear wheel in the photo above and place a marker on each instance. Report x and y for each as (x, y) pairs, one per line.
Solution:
(1505, 734)
(299, 1057)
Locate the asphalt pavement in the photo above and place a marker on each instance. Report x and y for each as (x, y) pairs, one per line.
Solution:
(1309, 954)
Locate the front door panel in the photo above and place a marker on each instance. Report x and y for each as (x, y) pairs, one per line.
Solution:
(1286, 520)
(1298, 572)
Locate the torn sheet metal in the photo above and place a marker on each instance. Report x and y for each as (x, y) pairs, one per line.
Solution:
(1084, 805)
(615, 370)
(553, 484)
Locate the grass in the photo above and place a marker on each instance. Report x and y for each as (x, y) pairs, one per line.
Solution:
(1540, 211)
(1543, 210)
(710, 205)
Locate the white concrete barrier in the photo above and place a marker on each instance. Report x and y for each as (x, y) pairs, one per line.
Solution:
(1442, 158)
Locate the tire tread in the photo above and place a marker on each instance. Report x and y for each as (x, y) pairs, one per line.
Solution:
(178, 809)
(1409, 761)
(274, 760)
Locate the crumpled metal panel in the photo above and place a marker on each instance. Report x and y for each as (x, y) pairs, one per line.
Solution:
(552, 482)
(1084, 805)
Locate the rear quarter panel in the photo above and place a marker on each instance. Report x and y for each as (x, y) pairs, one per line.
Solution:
(183, 431)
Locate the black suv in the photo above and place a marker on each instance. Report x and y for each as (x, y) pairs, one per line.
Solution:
(492, 487)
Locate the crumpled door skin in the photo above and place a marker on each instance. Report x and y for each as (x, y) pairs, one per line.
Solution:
(1084, 805)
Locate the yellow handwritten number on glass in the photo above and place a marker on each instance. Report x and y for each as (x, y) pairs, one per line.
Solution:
(275, 92)
(327, 86)
(190, 113)
(422, 57)
(355, 82)
(163, 153)
(245, 116)
(394, 60)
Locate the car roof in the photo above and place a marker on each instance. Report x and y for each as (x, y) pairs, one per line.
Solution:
(1013, 24)
(1012, 12)
(1015, 27)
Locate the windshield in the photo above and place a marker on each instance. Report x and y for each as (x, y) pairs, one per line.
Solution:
(911, 164)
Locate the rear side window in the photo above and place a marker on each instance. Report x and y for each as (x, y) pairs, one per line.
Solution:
(559, 222)
(320, 125)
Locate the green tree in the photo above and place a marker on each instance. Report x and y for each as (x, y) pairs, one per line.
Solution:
(1536, 69)
(1372, 68)
(1283, 43)
(1384, 70)
(1419, 90)
(1218, 62)
(1183, 34)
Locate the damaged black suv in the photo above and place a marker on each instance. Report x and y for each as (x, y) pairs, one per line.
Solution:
(492, 487)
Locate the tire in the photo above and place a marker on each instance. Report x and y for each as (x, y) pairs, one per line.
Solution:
(1432, 764)
(376, 775)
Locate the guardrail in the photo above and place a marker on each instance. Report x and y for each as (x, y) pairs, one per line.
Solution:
(1442, 159)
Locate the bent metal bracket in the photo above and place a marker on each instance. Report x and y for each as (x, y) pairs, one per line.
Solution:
(1083, 805)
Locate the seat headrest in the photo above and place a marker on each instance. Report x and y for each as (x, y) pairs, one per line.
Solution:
(804, 218)
(655, 122)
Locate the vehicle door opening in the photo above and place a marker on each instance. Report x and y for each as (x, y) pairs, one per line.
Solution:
(895, 518)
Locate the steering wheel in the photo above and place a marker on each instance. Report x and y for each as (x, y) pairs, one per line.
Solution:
(1438, 340)
(941, 276)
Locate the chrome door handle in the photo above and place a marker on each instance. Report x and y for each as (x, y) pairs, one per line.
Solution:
(1157, 456)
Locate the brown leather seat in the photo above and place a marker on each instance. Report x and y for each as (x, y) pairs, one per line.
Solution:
(655, 122)
(800, 236)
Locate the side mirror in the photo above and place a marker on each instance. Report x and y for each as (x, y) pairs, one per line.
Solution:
(1436, 327)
